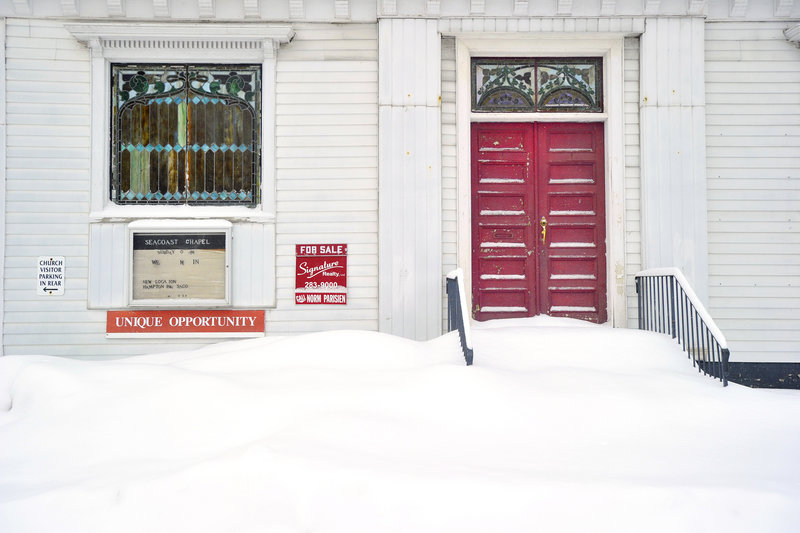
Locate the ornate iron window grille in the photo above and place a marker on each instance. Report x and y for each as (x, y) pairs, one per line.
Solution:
(186, 134)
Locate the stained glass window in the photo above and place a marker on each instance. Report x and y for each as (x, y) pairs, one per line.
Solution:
(537, 85)
(185, 134)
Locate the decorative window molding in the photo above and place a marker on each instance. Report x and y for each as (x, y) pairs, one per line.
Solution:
(520, 7)
(186, 43)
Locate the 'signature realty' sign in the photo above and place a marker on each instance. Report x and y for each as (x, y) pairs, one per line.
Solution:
(321, 274)
(222, 322)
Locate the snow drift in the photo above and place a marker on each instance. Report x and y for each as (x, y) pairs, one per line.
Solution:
(559, 426)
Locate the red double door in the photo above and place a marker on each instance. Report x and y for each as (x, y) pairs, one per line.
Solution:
(538, 221)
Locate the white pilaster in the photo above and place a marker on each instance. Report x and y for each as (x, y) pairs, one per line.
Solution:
(672, 107)
(2, 173)
(409, 183)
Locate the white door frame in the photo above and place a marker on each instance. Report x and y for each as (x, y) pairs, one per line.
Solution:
(610, 47)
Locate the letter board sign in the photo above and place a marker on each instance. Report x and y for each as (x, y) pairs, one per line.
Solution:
(184, 322)
(179, 266)
(321, 274)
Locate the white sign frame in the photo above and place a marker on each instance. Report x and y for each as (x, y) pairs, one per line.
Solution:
(173, 227)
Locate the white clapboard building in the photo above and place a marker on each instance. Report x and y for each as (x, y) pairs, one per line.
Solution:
(176, 172)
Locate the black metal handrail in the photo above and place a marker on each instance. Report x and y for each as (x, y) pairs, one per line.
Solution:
(456, 314)
(667, 304)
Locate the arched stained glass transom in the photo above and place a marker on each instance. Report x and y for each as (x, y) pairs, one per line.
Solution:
(530, 85)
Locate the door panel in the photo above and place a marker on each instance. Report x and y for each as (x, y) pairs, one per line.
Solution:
(570, 168)
(504, 270)
(524, 176)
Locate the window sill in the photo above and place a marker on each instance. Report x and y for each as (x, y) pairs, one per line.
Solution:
(128, 213)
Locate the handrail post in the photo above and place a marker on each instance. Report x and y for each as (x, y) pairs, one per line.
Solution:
(672, 305)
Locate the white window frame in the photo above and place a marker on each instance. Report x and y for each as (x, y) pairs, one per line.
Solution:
(179, 43)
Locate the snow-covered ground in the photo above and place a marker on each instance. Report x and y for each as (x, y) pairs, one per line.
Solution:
(559, 426)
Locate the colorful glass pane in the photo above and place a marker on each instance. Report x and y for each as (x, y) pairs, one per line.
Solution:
(568, 86)
(537, 84)
(503, 85)
(186, 134)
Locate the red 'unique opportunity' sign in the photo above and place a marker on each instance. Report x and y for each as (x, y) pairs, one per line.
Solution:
(321, 274)
(221, 322)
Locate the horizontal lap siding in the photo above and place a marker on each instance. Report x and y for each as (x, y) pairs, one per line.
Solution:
(47, 202)
(327, 177)
(753, 149)
(633, 237)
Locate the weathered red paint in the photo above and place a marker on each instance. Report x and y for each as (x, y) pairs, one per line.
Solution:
(522, 175)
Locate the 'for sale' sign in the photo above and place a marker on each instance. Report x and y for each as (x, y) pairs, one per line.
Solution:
(321, 274)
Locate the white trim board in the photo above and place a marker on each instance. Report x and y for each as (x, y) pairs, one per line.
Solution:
(610, 47)
(2, 176)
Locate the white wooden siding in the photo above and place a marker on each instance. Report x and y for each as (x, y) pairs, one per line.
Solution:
(327, 169)
(753, 147)
(326, 188)
(633, 235)
(449, 166)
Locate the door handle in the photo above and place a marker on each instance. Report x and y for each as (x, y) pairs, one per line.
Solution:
(543, 223)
